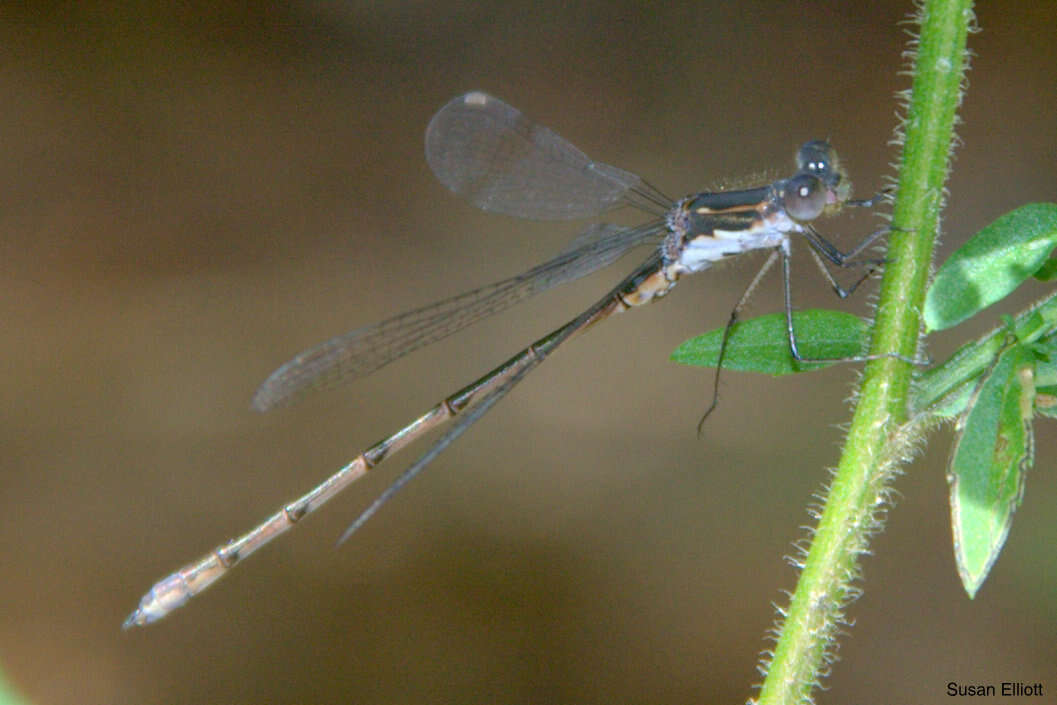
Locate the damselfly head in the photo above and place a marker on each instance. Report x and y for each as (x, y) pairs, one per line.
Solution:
(818, 158)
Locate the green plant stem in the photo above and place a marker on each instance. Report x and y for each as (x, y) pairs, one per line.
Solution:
(961, 372)
(874, 445)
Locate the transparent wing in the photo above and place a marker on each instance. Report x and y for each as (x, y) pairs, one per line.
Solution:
(365, 350)
(491, 154)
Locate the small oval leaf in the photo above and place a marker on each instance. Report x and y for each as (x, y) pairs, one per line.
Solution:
(991, 264)
(762, 344)
(993, 452)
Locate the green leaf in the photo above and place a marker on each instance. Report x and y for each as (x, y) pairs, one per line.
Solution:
(991, 264)
(762, 344)
(992, 453)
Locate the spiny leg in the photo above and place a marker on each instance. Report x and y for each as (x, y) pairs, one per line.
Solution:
(821, 246)
(730, 327)
(885, 194)
(837, 288)
(828, 250)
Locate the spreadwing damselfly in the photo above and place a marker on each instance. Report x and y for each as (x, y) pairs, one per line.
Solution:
(492, 155)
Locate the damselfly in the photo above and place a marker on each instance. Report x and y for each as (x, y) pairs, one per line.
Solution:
(489, 153)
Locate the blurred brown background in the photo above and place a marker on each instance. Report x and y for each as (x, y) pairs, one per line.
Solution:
(193, 193)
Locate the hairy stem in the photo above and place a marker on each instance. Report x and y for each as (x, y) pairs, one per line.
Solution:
(875, 445)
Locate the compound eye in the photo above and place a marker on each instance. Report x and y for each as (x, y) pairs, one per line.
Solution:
(816, 157)
(804, 197)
